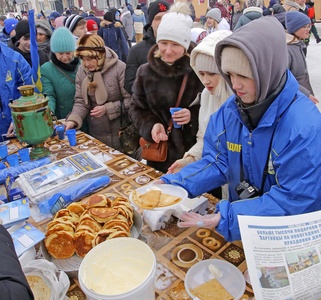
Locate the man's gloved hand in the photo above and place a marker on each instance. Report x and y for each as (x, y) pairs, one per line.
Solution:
(192, 219)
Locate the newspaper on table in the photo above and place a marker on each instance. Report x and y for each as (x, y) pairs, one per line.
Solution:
(41, 183)
(283, 255)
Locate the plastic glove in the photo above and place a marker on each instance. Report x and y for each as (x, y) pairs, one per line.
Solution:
(314, 99)
(179, 164)
(158, 181)
(192, 219)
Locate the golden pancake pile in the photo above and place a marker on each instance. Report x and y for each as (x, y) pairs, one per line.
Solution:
(81, 226)
(211, 290)
(154, 198)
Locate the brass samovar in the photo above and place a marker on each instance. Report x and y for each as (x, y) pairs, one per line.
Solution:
(32, 119)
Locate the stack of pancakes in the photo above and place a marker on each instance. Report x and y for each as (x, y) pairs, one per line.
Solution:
(81, 226)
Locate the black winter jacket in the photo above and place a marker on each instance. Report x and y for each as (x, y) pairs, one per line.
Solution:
(155, 90)
(138, 56)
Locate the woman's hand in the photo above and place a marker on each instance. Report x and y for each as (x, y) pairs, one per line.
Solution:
(192, 219)
(179, 164)
(159, 133)
(70, 125)
(98, 111)
(10, 132)
(182, 116)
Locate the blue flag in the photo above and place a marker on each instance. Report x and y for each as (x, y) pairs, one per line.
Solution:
(34, 52)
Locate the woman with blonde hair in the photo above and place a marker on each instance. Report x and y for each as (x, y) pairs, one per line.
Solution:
(215, 93)
(157, 86)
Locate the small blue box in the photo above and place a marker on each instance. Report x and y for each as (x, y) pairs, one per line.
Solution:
(14, 193)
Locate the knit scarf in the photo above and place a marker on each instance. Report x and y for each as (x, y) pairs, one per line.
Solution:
(67, 67)
(94, 83)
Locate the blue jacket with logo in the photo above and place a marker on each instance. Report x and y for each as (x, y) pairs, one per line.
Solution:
(14, 72)
(293, 182)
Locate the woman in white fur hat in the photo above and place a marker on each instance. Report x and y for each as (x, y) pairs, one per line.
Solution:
(157, 86)
(215, 93)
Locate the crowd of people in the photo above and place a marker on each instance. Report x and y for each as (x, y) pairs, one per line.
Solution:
(244, 105)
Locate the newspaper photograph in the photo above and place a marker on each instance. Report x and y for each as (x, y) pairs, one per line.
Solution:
(283, 255)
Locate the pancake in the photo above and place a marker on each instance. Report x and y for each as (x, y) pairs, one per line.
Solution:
(97, 200)
(124, 211)
(83, 242)
(120, 200)
(150, 199)
(116, 224)
(211, 290)
(60, 227)
(60, 244)
(102, 214)
(90, 223)
(77, 207)
(74, 219)
(154, 198)
(59, 221)
(65, 213)
(120, 217)
(40, 289)
(86, 228)
(118, 234)
(102, 236)
(167, 200)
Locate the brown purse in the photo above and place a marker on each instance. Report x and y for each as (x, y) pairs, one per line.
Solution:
(154, 151)
(158, 151)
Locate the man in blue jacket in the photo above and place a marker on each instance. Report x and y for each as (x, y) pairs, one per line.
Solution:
(14, 72)
(265, 141)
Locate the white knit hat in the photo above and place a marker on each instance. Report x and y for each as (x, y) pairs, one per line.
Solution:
(176, 25)
(202, 56)
(233, 60)
(215, 13)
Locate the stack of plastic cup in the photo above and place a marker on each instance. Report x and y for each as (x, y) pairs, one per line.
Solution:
(3, 150)
(13, 160)
(71, 134)
(60, 129)
(24, 154)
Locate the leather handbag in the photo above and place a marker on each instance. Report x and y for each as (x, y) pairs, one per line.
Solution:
(157, 152)
(154, 151)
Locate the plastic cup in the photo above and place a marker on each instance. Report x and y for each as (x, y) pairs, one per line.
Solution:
(71, 134)
(24, 154)
(60, 129)
(3, 150)
(13, 160)
(173, 110)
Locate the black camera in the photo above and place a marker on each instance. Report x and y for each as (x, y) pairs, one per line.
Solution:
(246, 191)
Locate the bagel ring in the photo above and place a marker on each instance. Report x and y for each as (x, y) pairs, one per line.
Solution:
(126, 186)
(203, 233)
(211, 243)
(127, 192)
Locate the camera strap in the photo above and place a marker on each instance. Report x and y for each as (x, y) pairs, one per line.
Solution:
(265, 171)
